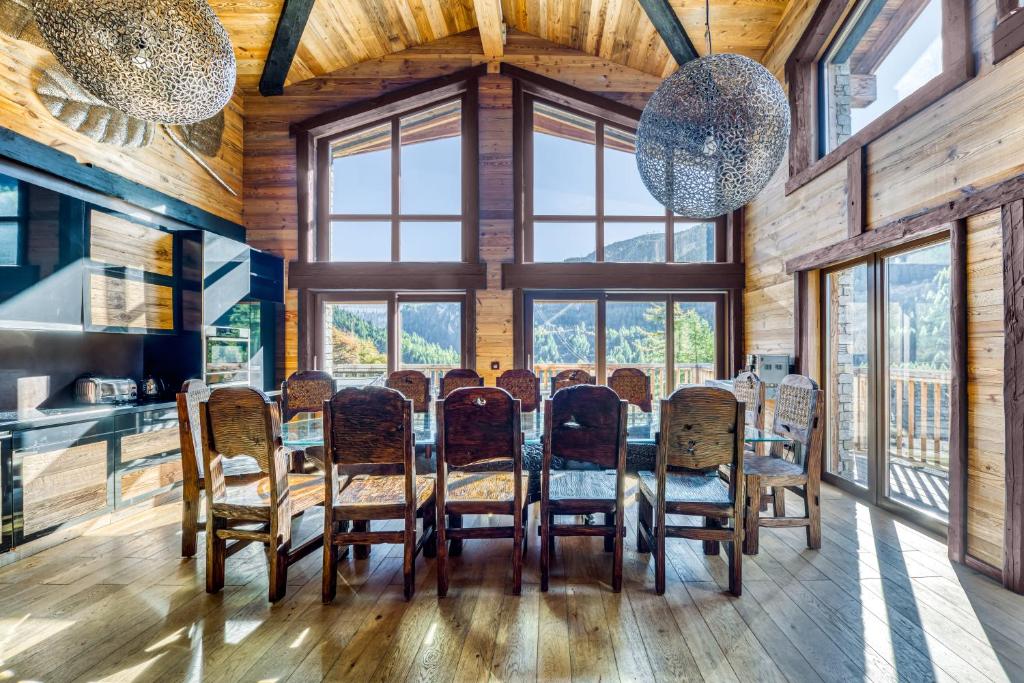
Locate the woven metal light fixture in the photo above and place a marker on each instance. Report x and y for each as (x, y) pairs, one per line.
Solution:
(712, 135)
(165, 61)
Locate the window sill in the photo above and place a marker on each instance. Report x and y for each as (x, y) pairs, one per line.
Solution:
(1008, 36)
(923, 97)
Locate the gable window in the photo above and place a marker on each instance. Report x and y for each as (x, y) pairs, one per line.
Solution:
(884, 52)
(395, 189)
(585, 201)
(886, 61)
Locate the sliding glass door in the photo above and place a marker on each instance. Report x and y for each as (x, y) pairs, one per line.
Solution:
(886, 355)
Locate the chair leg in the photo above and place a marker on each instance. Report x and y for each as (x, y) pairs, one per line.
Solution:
(329, 585)
(812, 501)
(645, 516)
(545, 547)
(779, 501)
(735, 548)
(609, 541)
(430, 527)
(409, 562)
(753, 517)
(189, 524)
(712, 547)
(762, 501)
(455, 545)
(442, 555)
(617, 546)
(278, 557)
(551, 537)
(517, 552)
(659, 558)
(216, 554)
(363, 549)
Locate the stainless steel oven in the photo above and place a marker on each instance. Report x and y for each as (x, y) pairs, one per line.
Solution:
(227, 356)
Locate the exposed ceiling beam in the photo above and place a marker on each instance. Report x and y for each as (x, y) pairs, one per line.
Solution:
(294, 14)
(492, 30)
(664, 18)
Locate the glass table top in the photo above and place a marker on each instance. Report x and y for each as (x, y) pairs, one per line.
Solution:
(307, 430)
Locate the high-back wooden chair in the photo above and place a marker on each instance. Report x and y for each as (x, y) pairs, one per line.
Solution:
(414, 385)
(585, 423)
(701, 429)
(369, 438)
(793, 465)
(305, 392)
(633, 386)
(479, 424)
(570, 378)
(523, 385)
(749, 389)
(459, 378)
(237, 472)
(239, 421)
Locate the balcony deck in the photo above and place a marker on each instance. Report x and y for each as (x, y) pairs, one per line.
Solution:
(118, 604)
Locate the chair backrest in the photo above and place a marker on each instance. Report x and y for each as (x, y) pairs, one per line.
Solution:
(242, 421)
(305, 392)
(633, 386)
(749, 388)
(476, 424)
(701, 428)
(368, 426)
(459, 378)
(524, 385)
(797, 402)
(414, 385)
(193, 393)
(587, 423)
(570, 378)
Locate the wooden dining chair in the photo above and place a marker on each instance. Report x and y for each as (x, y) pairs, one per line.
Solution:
(478, 425)
(749, 389)
(523, 385)
(701, 429)
(414, 385)
(237, 472)
(570, 378)
(585, 423)
(459, 378)
(239, 421)
(794, 465)
(369, 437)
(305, 392)
(633, 386)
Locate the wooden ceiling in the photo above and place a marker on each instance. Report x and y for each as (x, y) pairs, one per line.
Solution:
(340, 33)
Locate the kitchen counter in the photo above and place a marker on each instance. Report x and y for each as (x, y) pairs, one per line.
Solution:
(12, 420)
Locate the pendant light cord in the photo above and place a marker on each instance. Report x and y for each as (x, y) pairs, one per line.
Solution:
(707, 24)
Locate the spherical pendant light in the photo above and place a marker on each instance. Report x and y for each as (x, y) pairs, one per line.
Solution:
(712, 135)
(166, 61)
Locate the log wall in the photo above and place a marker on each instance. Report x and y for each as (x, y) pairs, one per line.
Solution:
(971, 138)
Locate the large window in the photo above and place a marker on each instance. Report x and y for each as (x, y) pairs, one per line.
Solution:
(887, 355)
(585, 201)
(884, 52)
(675, 339)
(10, 221)
(395, 188)
(366, 335)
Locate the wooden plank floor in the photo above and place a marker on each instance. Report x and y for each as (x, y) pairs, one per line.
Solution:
(878, 602)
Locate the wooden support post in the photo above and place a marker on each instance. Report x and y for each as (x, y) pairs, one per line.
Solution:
(1013, 392)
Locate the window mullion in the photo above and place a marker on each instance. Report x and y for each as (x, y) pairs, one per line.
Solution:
(396, 176)
(670, 343)
(599, 189)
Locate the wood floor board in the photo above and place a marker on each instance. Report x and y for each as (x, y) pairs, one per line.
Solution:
(879, 602)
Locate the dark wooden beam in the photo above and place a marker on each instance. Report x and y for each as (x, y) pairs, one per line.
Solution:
(664, 18)
(294, 14)
(386, 275)
(1013, 393)
(856, 191)
(629, 276)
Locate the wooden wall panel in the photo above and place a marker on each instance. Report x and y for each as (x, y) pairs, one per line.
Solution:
(985, 418)
(120, 242)
(971, 138)
(119, 302)
(270, 190)
(161, 166)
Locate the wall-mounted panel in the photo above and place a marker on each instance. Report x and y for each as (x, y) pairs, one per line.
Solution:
(123, 303)
(62, 484)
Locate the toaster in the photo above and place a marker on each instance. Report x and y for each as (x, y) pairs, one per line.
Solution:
(105, 390)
